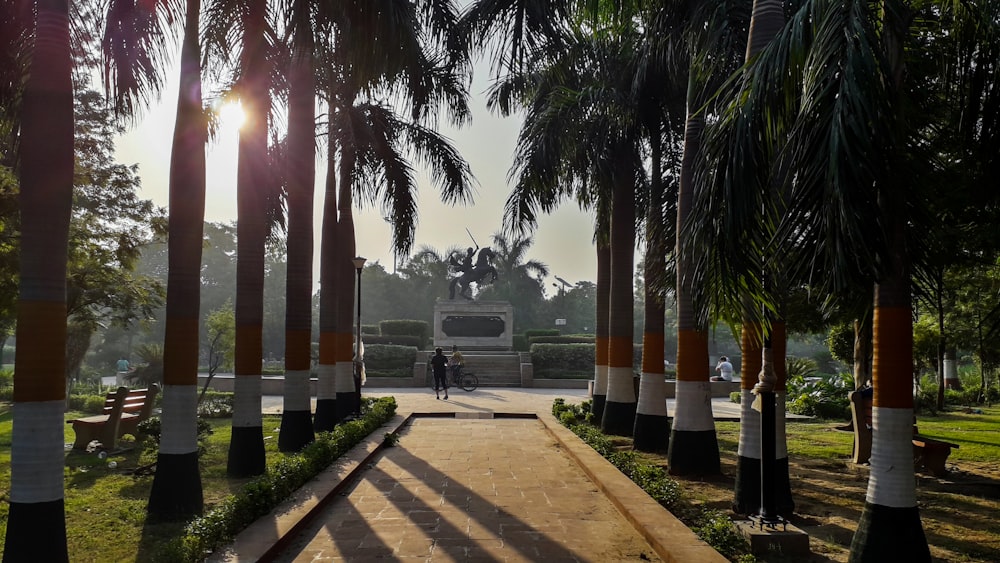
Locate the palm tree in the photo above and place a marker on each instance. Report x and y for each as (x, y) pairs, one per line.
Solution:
(296, 417)
(176, 492)
(246, 447)
(516, 276)
(46, 181)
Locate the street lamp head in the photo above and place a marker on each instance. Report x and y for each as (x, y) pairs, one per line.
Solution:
(359, 263)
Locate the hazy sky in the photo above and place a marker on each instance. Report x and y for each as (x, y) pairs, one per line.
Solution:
(563, 240)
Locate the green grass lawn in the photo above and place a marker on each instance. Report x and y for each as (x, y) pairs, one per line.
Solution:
(106, 508)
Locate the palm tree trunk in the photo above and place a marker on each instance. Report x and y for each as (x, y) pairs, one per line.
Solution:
(652, 427)
(36, 528)
(694, 447)
(296, 417)
(346, 391)
(890, 527)
(619, 411)
(246, 448)
(176, 492)
(746, 491)
(601, 330)
(325, 418)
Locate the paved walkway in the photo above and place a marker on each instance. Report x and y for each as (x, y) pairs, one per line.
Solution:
(488, 475)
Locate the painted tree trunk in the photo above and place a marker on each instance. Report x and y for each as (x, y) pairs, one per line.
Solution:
(652, 427)
(345, 388)
(620, 408)
(296, 417)
(36, 528)
(176, 492)
(325, 418)
(246, 447)
(694, 447)
(601, 330)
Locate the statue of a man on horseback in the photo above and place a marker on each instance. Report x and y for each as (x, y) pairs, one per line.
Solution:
(469, 272)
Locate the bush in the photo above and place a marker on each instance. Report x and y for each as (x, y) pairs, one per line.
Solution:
(6, 378)
(216, 404)
(393, 339)
(383, 360)
(561, 340)
(562, 359)
(520, 343)
(823, 397)
(534, 332)
(419, 329)
(370, 329)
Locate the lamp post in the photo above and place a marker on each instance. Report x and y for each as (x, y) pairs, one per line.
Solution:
(359, 263)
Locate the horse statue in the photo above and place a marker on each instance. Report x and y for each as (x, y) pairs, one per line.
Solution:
(472, 273)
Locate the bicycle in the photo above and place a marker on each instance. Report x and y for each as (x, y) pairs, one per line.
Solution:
(467, 381)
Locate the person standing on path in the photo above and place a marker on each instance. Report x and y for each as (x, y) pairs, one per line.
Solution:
(439, 364)
(455, 364)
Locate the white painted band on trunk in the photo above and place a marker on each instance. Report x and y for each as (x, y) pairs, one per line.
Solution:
(652, 394)
(892, 482)
(37, 453)
(693, 406)
(781, 441)
(297, 390)
(179, 421)
(326, 381)
(621, 389)
(345, 377)
(749, 427)
(246, 401)
(600, 380)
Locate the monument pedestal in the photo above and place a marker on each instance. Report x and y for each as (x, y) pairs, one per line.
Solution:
(473, 324)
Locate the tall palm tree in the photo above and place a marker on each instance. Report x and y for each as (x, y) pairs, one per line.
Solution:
(46, 179)
(515, 273)
(296, 417)
(246, 447)
(176, 493)
(712, 52)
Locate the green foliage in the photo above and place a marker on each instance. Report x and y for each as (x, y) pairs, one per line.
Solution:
(718, 531)
(216, 404)
(259, 496)
(824, 397)
(220, 326)
(840, 341)
(150, 369)
(561, 340)
(6, 378)
(736, 397)
(419, 329)
(536, 332)
(572, 358)
(382, 360)
(370, 329)
(520, 343)
(800, 368)
(414, 342)
(149, 433)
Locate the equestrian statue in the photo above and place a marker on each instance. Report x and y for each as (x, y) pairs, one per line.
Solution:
(470, 273)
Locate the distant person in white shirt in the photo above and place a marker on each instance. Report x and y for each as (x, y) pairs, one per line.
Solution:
(725, 370)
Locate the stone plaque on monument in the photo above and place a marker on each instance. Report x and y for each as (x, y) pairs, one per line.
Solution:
(473, 324)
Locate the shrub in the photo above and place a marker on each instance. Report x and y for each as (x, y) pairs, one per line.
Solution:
(563, 359)
(419, 329)
(215, 404)
(534, 332)
(824, 397)
(520, 343)
(384, 360)
(370, 329)
(392, 339)
(736, 397)
(561, 340)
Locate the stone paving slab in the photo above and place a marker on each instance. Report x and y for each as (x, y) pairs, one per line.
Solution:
(472, 489)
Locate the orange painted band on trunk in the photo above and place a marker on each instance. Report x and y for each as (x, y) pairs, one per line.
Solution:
(180, 351)
(692, 355)
(601, 351)
(298, 349)
(751, 349)
(892, 364)
(249, 350)
(779, 346)
(345, 346)
(41, 352)
(652, 352)
(619, 352)
(328, 348)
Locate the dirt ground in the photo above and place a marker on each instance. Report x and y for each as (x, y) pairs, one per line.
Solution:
(960, 513)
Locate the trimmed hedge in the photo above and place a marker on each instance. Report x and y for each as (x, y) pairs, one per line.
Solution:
(571, 360)
(520, 343)
(419, 329)
(533, 332)
(384, 360)
(392, 340)
(370, 329)
(561, 340)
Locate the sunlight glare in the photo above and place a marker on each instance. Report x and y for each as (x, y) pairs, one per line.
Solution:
(231, 115)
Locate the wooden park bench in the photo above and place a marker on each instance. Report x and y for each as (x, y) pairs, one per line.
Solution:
(123, 411)
(928, 453)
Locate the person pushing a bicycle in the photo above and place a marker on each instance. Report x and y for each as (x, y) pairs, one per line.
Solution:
(455, 364)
